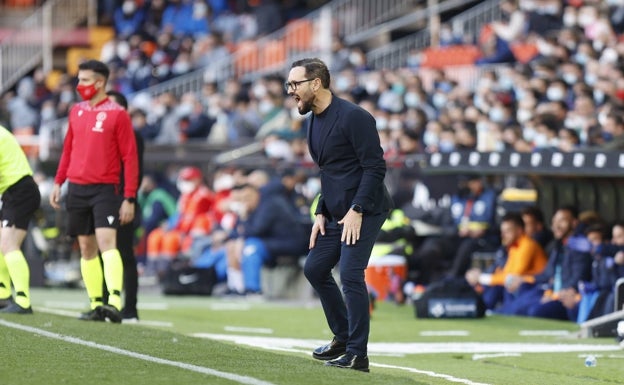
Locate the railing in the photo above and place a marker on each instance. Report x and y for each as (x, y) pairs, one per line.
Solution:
(467, 23)
(31, 44)
(305, 37)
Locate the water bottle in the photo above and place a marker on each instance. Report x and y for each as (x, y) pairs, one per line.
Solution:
(590, 361)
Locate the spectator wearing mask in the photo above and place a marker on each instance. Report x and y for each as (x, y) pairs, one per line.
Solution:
(192, 218)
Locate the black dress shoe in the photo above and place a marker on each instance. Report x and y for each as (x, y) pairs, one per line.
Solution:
(350, 361)
(330, 351)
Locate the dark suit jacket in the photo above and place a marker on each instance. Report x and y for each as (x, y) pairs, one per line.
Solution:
(351, 161)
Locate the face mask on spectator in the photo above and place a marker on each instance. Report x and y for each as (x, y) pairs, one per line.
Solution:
(609, 56)
(590, 79)
(523, 115)
(372, 87)
(128, 7)
(586, 18)
(66, 96)
(381, 123)
(265, 106)
(505, 83)
(446, 146)
(181, 67)
(185, 186)
(342, 84)
(395, 124)
(599, 96)
(356, 59)
(569, 78)
(259, 91)
(184, 109)
(540, 140)
(199, 10)
(569, 19)
(602, 118)
(411, 99)
(598, 45)
(555, 94)
(497, 115)
(580, 58)
(439, 100)
(430, 139)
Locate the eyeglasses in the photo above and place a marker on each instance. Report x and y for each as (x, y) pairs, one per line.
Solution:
(295, 84)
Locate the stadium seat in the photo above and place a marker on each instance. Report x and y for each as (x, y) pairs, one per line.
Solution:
(19, 3)
(246, 57)
(524, 52)
(273, 54)
(450, 56)
(298, 35)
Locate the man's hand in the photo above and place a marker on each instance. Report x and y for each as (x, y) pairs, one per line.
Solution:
(472, 276)
(318, 226)
(126, 212)
(55, 196)
(513, 282)
(351, 225)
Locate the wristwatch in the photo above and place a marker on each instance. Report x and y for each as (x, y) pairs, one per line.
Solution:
(131, 200)
(357, 208)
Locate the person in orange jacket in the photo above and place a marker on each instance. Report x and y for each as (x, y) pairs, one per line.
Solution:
(193, 217)
(524, 258)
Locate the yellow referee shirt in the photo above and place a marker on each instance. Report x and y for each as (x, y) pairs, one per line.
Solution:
(13, 163)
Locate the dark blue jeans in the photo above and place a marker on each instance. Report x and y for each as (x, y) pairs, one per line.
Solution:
(348, 318)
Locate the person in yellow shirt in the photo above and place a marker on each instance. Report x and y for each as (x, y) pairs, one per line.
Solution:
(20, 200)
(524, 258)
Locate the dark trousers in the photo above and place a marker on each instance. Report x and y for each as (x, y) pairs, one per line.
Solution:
(348, 318)
(125, 245)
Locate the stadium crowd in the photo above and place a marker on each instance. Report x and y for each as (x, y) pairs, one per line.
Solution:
(569, 95)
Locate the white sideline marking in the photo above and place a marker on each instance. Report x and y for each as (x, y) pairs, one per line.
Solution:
(375, 348)
(429, 373)
(229, 306)
(248, 330)
(182, 365)
(442, 333)
(531, 333)
(495, 355)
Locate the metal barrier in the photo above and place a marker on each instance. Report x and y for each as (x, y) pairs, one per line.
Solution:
(469, 23)
(305, 37)
(31, 44)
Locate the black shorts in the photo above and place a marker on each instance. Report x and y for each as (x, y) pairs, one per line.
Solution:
(92, 206)
(19, 203)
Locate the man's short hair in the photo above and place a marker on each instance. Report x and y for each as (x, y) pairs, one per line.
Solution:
(515, 218)
(314, 68)
(119, 98)
(96, 66)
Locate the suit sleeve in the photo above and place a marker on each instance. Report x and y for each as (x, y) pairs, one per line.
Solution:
(362, 132)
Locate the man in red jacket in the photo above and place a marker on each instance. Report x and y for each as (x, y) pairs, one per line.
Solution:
(99, 139)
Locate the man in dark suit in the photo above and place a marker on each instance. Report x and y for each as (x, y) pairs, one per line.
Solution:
(354, 203)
